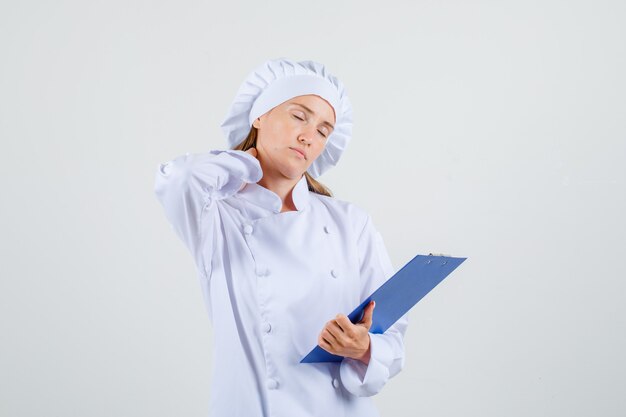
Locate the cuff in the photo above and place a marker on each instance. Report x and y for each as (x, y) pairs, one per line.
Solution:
(367, 380)
(240, 168)
(253, 171)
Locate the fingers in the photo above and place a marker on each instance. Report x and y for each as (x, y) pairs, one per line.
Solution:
(344, 330)
(323, 343)
(253, 152)
(334, 329)
(333, 336)
(327, 341)
(341, 337)
(329, 337)
(344, 323)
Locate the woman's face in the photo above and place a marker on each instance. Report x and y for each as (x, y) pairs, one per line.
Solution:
(293, 134)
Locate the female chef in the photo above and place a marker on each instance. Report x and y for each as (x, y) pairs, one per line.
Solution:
(280, 260)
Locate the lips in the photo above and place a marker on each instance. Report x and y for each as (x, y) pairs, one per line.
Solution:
(300, 152)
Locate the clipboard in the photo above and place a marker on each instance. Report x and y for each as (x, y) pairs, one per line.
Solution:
(396, 296)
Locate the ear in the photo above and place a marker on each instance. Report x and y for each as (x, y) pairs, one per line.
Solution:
(256, 122)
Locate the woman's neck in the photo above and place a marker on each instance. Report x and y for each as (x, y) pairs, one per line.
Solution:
(282, 187)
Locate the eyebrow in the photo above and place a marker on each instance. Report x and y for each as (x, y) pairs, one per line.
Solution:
(312, 112)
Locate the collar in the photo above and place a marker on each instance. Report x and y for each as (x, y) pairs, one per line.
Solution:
(268, 199)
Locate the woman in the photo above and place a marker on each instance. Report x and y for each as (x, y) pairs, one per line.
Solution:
(280, 260)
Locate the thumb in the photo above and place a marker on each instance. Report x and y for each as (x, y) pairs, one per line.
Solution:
(366, 321)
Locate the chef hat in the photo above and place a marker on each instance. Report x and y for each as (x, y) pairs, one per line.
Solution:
(279, 80)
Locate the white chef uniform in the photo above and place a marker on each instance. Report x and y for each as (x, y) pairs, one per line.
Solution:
(272, 280)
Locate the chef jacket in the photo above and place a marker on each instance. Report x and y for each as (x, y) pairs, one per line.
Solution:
(271, 280)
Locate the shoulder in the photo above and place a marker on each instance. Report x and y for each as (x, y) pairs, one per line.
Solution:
(348, 211)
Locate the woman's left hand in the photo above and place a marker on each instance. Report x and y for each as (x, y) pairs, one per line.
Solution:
(341, 337)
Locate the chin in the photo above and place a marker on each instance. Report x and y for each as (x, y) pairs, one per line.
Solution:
(294, 175)
(293, 172)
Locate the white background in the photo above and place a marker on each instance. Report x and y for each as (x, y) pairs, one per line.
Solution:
(489, 130)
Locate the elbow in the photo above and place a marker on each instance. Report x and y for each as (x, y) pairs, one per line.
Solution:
(162, 177)
(158, 180)
(170, 178)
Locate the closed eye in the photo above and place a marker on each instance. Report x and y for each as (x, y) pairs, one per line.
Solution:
(299, 118)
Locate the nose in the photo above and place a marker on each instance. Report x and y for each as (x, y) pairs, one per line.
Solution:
(306, 135)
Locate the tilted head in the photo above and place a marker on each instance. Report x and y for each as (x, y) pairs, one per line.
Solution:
(292, 105)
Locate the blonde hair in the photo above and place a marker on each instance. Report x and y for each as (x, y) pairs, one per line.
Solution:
(314, 186)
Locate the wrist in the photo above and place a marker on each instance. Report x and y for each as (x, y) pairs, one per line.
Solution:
(365, 358)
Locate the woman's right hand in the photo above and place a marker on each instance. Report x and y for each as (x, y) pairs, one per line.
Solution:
(253, 152)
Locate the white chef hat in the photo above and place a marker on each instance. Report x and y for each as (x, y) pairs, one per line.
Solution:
(278, 80)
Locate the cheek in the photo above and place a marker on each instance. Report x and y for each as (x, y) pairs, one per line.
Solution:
(281, 133)
(270, 138)
(317, 151)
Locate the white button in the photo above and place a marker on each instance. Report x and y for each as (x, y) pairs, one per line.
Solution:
(335, 383)
(326, 229)
(165, 168)
(267, 327)
(247, 229)
(272, 384)
(333, 273)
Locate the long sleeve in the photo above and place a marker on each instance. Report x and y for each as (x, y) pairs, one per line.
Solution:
(188, 187)
(387, 349)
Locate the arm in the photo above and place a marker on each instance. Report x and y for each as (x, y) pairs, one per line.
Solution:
(387, 349)
(188, 187)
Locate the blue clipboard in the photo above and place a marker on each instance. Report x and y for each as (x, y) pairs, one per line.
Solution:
(396, 296)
